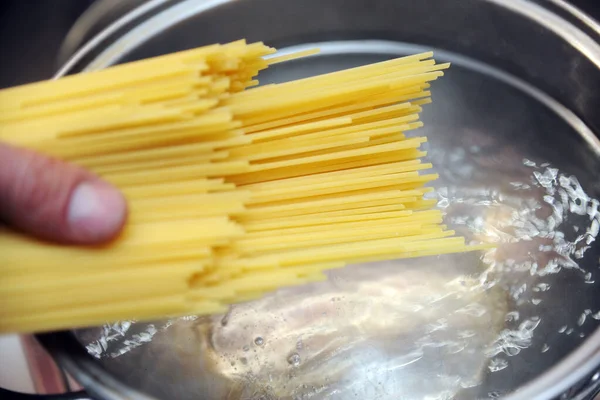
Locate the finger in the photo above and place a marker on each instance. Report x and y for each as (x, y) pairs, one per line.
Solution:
(57, 201)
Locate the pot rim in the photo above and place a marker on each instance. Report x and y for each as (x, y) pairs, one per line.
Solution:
(579, 364)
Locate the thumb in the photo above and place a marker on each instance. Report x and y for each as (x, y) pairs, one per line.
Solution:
(57, 201)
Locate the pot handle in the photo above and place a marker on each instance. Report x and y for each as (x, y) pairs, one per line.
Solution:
(10, 395)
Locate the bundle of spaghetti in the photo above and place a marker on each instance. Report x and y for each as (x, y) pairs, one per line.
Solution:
(233, 191)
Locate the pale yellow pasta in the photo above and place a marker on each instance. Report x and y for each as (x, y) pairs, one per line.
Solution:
(233, 192)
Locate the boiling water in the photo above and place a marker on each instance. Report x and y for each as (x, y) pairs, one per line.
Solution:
(512, 172)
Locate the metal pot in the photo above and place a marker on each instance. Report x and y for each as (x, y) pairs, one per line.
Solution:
(514, 135)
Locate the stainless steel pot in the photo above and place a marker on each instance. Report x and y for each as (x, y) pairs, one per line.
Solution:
(514, 135)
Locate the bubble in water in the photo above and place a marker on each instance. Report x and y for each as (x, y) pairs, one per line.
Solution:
(469, 383)
(246, 348)
(294, 359)
(466, 334)
(225, 319)
(511, 342)
(512, 316)
(259, 341)
(594, 229)
(541, 287)
(545, 348)
(453, 347)
(547, 179)
(516, 292)
(581, 319)
(497, 364)
(535, 302)
(299, 344)
(473, 309)
(596, 316)
(440, 325)
(562, 329)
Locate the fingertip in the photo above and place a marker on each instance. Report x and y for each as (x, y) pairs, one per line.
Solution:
(96, 212)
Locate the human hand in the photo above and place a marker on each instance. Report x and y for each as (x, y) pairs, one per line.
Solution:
(57, 201)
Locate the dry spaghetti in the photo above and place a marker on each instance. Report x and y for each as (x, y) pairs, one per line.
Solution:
(234, 191)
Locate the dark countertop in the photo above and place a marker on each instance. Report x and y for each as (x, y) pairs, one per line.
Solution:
(31, 32)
